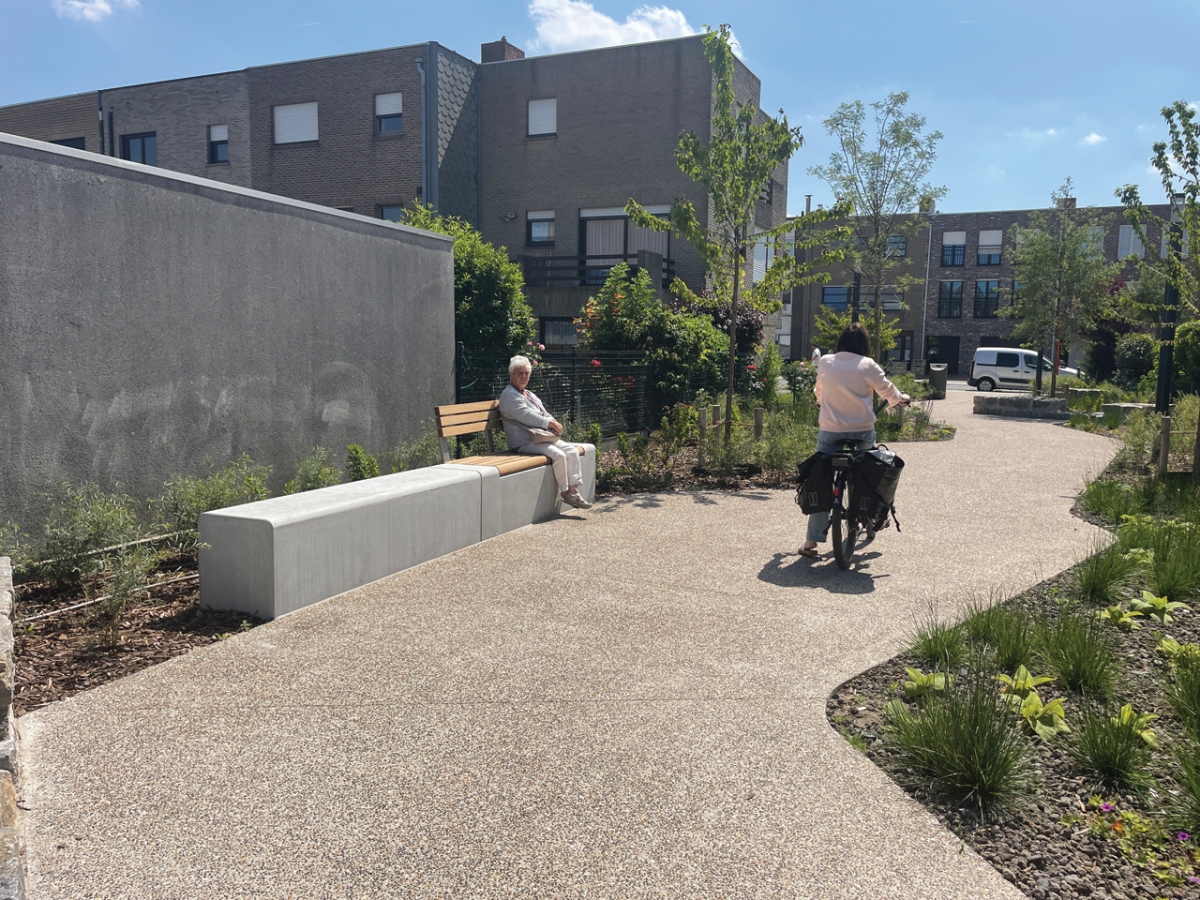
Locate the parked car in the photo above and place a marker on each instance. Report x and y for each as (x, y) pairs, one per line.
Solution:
(1010, 367)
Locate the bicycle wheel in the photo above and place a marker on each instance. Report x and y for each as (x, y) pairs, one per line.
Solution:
(845, 524)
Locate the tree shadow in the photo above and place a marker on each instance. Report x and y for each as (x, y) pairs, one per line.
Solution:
(791, 570)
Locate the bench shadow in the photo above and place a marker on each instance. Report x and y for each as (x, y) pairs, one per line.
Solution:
(791, 570)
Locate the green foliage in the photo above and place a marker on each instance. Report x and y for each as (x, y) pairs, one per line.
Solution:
(1183, 694)
(83, 531)
(1112, 749)
(786, 441)
(627, 315)
(1139, 722)
(884, 177)
(1135, 357)
(1064, 275)
(742, 151)
(830, 323)
(491, 314)
(1169, 648)
(424, 450)
(963, 746)
(1104, 573)
(1142, 841)
(14, 544)
(129, 573)
(938, 644)
(1187, 358)
(1159, 608)
(1174, 571)
(314, 472)
(360, 464)
(1120, 618)
(1111, 499)
(594, 435)
(1184, 808)
(239, 481)
(801, 377)
(1140, 438)
(918, 683)
(1045, 719)
(1020, 685)
(1009, 632)
(1079, 653)
(766, 376)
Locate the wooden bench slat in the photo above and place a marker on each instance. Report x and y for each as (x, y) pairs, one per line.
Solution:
(468, 418)
(508, 462)
(466, 407)
(452, 430)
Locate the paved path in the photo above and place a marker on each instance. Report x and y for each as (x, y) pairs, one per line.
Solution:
(623, 703)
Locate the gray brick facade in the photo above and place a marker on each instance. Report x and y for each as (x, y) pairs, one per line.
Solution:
(63, 118)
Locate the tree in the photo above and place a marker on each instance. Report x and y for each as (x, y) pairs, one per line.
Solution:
(830, 323)
(1058, 260)
(883, 177)
(734, 165)
(491, 315)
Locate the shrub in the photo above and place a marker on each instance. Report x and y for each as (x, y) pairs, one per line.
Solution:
(1140, 436)
(786, 441)
(1183, 694)
(83, 524)
(1102, 575)
(1134, 357)
(1175, 569)
(313, 472)
(131, 570)
(766, 376)
(1110, 748)
(964, 745)
(424, 450)
(360, 465)
(239, 481)
(1008, 631)
(1183, 810)
(1111, 499)
(938, 644)
(1079, 653)
(14, 545)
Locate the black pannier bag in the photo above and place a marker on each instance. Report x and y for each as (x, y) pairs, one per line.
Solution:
(877, 472)
(814, 484)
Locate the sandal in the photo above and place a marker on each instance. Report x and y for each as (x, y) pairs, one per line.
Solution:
(810, 552)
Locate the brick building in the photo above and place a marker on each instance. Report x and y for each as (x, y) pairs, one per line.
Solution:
(541, 153)
(963, 279)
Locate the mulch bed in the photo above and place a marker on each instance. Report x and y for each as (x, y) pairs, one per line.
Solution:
(69, 652)
(1037, 851)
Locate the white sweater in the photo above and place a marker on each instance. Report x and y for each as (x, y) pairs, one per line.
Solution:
(845, 382)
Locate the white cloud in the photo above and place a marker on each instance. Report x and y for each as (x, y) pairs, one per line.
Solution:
(564, 25)
(90, 10)
(1030, 134)
(1093, 139)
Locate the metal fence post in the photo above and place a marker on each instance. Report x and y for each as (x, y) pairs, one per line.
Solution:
(1164, 446)
(758, 423)
(702, 428)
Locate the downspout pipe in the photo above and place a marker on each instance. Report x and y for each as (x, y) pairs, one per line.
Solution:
(925, 299)
(424, 152)
(100, 116)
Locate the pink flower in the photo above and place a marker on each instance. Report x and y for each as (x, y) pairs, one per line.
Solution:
(752, 368)
(596, 363)
(1182, 837)
(1106, 807)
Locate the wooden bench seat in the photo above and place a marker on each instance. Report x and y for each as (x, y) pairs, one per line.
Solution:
(484, 416)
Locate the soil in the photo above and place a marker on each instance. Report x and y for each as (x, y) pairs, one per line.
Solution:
(1047, 849)
(68, 652)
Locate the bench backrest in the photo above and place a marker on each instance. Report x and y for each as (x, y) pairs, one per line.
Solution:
(467, 418)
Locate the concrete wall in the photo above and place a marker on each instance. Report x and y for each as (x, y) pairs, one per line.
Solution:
(153, 322)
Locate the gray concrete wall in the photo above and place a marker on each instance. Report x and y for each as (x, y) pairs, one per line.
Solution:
(152, 322)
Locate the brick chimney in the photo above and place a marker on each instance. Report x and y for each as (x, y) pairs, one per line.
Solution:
(499, 51)
(1065, 203)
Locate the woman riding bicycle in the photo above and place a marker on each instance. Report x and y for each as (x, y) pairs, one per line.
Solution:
(846, 380)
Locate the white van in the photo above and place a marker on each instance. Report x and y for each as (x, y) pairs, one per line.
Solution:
(1010, 367)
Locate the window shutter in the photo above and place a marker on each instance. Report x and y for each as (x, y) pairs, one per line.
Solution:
(543, 116)
(295, 123)
(218, 132)
(389, 104)
(990, 238)
(954, 238)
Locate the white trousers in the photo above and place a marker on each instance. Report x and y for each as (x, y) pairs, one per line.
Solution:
(564, 459)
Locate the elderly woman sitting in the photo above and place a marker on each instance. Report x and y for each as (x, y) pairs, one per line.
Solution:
(521, 410)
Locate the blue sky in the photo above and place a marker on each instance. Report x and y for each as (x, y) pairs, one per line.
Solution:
(1025, 92)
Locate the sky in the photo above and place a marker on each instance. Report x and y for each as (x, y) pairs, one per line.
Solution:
(1024, 92)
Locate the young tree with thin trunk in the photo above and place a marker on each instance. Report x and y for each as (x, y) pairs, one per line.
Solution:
(884, 176)
(734, 165)
(1065, 280)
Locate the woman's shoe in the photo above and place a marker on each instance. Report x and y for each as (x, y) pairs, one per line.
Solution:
(810, 552)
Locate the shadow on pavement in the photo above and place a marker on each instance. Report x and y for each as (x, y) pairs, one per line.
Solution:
(793, 570)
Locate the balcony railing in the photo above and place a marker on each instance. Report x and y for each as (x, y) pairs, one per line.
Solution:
(585, 271)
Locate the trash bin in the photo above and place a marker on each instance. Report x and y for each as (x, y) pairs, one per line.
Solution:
(937, 380)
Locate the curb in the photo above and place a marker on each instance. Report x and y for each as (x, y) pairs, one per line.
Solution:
(12, 838)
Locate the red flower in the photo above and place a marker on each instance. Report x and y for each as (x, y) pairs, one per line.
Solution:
(752, 368)
(596, 363)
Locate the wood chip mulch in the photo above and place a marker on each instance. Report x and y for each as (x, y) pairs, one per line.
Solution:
(64, 654)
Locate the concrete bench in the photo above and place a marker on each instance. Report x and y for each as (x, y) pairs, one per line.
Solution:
(276, 556)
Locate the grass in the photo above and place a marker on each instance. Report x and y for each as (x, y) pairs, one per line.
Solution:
(1111, 499)
(938, 644)
(1175, 570)
(964, 745)
(1104, 573)
(1008, 632)
(1183, 694)
(1080, 655)
(1184, 808)
(1110, 750)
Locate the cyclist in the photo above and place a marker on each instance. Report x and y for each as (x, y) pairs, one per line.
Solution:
(846, 380)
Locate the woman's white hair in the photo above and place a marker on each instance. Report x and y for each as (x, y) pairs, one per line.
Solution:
(519, 362)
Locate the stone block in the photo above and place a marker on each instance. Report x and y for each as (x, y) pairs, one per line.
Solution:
(1121, 410)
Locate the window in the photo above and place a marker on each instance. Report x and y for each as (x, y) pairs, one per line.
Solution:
(762, 259)
(954, 248)
(392, 213)
(1007, 360)
(218, 144)
(1093, 244)
(897, 246)
(1129, 244)
(74, 143)
(559, 332)
(539, 227)
(987, 299)
(950, 300)
(543, 117)
(990, 245)
(1016, 290)
(389, 113)
(835, 297)
(140, 148)
(892, 298)
(768, 191)
(295, 123)
(783, 339)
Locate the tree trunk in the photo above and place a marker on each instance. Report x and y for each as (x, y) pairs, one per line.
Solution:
(733, 311)
(1057, 353)
(879, 351)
